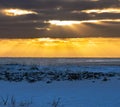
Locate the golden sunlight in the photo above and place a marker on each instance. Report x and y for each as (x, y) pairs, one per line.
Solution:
(17, 12)
(105, 10)
(70, 23)
(62, 23)
(71, 47)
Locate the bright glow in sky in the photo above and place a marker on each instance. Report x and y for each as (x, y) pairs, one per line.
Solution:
(17, 12)
(105, 10)
(69, 23)
(63, 23)
(72, 47)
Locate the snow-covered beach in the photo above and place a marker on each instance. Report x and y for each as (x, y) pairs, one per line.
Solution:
(59, 82)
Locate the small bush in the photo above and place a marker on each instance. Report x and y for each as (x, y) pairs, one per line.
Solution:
(12, 102)
(105, 79)
(4, 100)
(56, 103)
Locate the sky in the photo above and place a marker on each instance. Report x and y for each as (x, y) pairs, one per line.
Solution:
(59, 28)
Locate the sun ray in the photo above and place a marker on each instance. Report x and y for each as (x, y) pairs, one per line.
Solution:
(70, 47)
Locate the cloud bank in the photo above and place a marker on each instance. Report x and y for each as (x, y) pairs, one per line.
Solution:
(31, 18)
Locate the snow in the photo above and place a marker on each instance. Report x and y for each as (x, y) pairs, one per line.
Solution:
(71, 93)
(67, 92)
(59, 68)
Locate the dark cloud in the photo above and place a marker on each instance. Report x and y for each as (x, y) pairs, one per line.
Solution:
(24, 26)
(68, 4)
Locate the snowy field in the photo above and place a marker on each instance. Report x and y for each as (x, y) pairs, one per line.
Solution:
(59, 83)
(69, 93)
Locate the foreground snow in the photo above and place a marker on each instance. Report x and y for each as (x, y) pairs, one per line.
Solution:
(70, 93)
(59, 85)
